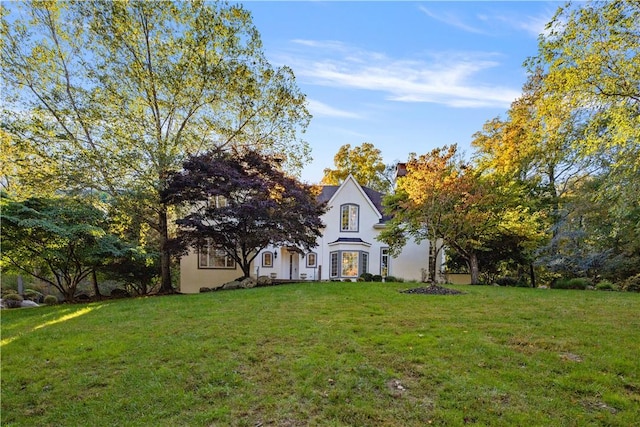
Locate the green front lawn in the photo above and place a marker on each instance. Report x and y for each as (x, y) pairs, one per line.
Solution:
(351, 354)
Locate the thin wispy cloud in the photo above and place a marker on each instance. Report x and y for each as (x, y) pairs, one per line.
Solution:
(451, 19)
(447, 78)
(320, 109)
(492, 22)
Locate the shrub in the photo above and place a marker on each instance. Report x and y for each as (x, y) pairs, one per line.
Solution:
(575, 283)
(632, 284)
(605, 285)
(51, 300)
(368, 277)
(390, 279)
(33, 295)
(506, 281)
(376, 278)
(12, 300)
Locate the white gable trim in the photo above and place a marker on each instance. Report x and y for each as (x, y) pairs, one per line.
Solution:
(359, 187)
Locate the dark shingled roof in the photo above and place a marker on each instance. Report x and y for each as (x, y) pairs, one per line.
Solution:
(350, 240)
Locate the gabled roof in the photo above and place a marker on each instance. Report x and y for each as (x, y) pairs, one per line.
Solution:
(375, 197)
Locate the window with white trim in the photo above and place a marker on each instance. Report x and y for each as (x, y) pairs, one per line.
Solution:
(312, 259)
(267, 259)
(212, 256)
(349, 217)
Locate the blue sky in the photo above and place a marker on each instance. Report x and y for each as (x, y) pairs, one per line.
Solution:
(406, 76)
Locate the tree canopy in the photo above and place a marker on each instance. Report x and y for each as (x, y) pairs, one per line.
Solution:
(243, 202)
(365, 163)
(57, 240)
(114, 95)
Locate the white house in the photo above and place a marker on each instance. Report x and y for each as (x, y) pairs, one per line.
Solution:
(347, 248)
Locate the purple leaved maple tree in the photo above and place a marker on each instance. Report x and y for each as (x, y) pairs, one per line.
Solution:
(242, 202)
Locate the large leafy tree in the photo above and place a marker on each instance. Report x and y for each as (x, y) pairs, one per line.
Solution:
(365, 163)
(122, 92)
(442, 197)
(243, 202)
(60, 241)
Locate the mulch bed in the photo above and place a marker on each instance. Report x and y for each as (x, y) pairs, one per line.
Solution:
(432, 290)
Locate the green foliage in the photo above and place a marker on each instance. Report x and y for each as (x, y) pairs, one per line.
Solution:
(376, 278)
(605, 285)
(59, 240)
(365, 163)
(632, 284)
(367, 277)
(114, 95)
(12, 300)
(33, 295)
(50, 300)
(574, 283)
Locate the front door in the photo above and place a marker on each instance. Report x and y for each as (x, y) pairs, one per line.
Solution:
(294, 263)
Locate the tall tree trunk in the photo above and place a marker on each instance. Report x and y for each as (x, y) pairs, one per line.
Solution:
(532, 273)
(96, 288)
(473, 268)
(165, 256)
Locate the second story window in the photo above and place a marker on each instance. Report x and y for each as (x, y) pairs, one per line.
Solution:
(349, 218)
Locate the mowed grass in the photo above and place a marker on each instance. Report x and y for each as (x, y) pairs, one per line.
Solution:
(337, 354)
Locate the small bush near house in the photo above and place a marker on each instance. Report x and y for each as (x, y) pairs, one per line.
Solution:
(632, 284)
(368, 277)
(377, 278)
(390, 279)
(12, 300)
(51, 300)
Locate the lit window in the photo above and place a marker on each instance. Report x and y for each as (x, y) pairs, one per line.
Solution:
(349, 264)
(349, 218)
(267, 259)
(212, 256)
(311, 260)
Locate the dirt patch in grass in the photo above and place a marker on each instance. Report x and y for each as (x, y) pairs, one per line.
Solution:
(432, 290)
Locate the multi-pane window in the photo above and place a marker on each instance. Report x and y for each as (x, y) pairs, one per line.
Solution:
(218, 201)
(349, 218)
(364, 264)
(384, 262)
(312, 260)
(211, 256)
(334, 265)
(267, 259)
(349, 264)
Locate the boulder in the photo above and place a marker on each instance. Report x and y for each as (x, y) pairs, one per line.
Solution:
(248, 283)
(264, 281)
(28, 303)
(234, 284)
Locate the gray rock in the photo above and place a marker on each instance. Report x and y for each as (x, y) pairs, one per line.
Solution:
(264, 281)
(234, 284)
(27, 304)
(248, 283)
